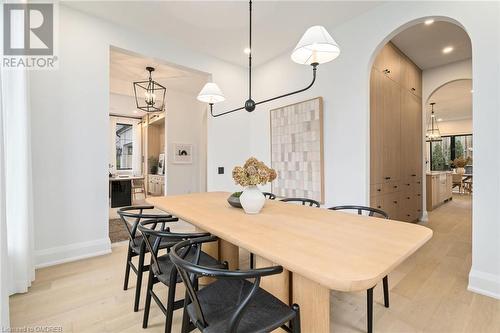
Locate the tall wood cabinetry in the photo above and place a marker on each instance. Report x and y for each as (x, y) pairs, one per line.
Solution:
(154, 145)
(396, 135)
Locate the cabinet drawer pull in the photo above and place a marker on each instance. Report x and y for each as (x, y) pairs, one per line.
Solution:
(413, 89)
(395, 186)
(414, 175)
(407, 184)
(378, 190)
(408, 198)
(387, 178)
(408, 215)
(386, 71)
(418, 195)
(395, 201)
(379, 206)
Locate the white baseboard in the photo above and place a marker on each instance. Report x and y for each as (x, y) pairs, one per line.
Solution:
(66, 253)
(486, 284)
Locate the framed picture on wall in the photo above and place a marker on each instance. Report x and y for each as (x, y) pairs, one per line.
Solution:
(297, 150)
(183, 153)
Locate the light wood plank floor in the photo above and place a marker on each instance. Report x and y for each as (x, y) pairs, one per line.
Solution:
(428, 291)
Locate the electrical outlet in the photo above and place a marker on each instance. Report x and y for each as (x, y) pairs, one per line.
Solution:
(221, 170)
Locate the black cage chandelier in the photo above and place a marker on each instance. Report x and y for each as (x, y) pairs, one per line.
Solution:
(315, 47)
(433, 134)
(149, 94)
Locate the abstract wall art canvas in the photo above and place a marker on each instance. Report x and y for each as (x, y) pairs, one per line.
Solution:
(297, 150)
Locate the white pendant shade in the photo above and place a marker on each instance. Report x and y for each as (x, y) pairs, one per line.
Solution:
(210, 93)
(315, 46)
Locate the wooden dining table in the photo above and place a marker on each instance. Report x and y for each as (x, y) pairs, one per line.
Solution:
(320, 250)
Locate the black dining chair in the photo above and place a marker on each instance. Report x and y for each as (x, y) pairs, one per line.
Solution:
(162, 270)
(374, 212)
(232, 303)
(269, 195)
(303, 201)
(131, 216)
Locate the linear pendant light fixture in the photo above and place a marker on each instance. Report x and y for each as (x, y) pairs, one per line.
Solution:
(149, 94)
(433, 134)
(315, 47)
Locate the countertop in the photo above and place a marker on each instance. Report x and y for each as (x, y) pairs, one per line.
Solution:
(122, 178)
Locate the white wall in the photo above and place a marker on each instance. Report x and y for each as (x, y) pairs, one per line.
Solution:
(185, 123)
(435, 78)
(70, 127)
(344, 85)
(455, 127)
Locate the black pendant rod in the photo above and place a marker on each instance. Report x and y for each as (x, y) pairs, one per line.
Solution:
(250, 53)
(250, 104)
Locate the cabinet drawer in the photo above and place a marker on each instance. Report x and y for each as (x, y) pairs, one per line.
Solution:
(385, 188)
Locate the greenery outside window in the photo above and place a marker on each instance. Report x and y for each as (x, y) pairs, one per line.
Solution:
(452, 146)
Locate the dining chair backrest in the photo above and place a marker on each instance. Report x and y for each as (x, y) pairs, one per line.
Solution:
(456, 178)
(363, 210)
(153, 236)
(137, 183)
(269, 195)
(189, 270)
(131, 216)
(303, 201)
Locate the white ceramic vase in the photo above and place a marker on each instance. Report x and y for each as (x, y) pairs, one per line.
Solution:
(252, 200)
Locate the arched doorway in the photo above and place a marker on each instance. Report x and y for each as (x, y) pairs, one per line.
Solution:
(404, 102)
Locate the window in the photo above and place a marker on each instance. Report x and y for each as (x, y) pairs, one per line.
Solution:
(124, 147)
(443, 152)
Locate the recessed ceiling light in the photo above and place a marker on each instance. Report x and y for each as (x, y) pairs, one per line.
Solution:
(440, 119)
(246, 50)
(429, 21)
(471, 91)
(447, 49)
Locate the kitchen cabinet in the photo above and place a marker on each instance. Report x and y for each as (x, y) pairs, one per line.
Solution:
(388, 62)
(156, 185)
(396, 135)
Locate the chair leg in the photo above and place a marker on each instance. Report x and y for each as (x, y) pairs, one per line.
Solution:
(295, 323)
(127, 268)
(251, 260)
(369, 308)
(385, 282)
(170, 308)
(140, 271)
(185, 317)
(147, 305)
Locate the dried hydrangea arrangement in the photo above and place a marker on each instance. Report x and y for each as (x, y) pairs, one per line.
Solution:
(254, 172)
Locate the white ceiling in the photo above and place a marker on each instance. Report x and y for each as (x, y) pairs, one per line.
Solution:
(424, 44)
(453, 101)
(126, 67)
(220, 28)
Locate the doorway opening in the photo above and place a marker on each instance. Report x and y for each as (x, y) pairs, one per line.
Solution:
(144, 145)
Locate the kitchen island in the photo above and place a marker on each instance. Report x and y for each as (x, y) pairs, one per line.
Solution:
(439, 185)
